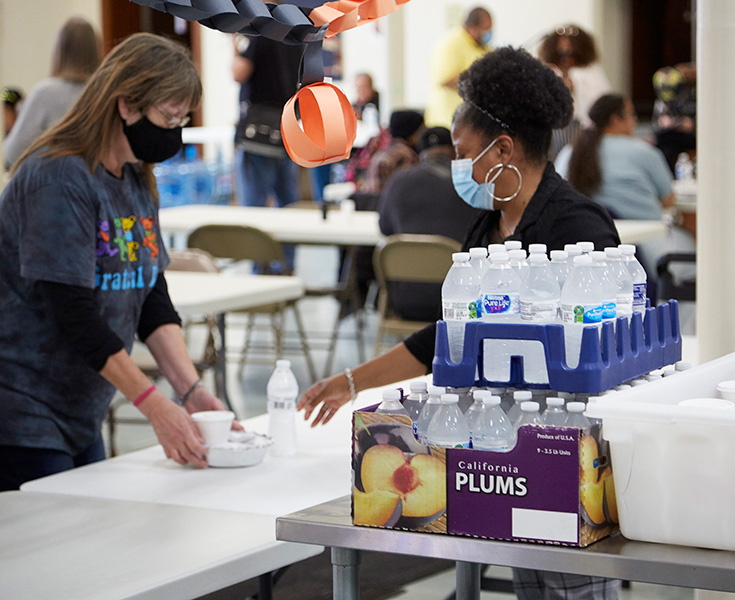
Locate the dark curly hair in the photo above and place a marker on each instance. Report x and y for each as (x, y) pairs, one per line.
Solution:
(583, 46)
(510, 91)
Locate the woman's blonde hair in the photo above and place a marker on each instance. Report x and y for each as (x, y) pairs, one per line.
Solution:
(147, 70)
(77, 51)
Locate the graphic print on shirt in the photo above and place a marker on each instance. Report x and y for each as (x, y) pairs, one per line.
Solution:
(127, 225)
(151, 239)
(103, 240)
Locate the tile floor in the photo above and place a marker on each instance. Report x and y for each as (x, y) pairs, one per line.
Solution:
(248, 399)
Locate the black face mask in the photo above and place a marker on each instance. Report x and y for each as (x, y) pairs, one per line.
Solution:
(151, 143)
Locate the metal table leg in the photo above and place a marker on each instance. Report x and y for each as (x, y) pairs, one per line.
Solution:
(468, 580)
(345, 565)
(221, 371)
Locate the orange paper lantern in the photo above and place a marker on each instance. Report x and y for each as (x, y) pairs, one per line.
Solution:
(327, 129)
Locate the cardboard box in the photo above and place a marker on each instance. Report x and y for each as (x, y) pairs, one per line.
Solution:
(555, 486)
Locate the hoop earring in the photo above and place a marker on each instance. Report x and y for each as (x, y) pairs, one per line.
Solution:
(499, 167)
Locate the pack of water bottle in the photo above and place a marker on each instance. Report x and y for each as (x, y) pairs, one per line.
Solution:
(576, 287)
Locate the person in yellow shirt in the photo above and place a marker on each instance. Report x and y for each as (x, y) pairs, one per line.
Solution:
(454, 53)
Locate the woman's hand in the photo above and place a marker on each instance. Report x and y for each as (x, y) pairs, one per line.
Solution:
(175, 431)
(202, 399)
(332, 393)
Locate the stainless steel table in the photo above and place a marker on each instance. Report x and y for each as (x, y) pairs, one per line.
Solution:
(329, 524)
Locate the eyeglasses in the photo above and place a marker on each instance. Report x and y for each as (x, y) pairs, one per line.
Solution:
(173, 121)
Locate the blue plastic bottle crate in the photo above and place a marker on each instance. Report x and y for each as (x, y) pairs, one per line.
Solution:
(624, 352)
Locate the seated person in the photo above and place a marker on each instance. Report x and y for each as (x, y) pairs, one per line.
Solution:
(421, 199)
(405, 129)
(626, 175)
(675, 111)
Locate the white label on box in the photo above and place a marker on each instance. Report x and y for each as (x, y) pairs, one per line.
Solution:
(545, 525)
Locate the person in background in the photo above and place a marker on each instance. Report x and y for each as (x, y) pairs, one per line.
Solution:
(82, 267)
(11, 100)
(675, 111)
(626, 175)
(405, 127)
(501, 136)
(422, 200)
(452, 55)
(365, 94)
(570, 51)
(76, 55)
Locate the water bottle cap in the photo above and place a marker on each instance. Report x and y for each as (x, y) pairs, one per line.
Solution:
(598, 256)
(529, 406)
(499, 257)
(682, 366)
(572, 249)
(512, 245)
(522, 395)
(575, 407)
(283, 364)
(586, 246)
(392, 394)
(612, 252)
(565, 395)
(627, 249)
(558, 255)
(538, 259)
(435, 390)
(496, 391)
(537, 249)
(417, 386)
(519, 254)
(637, 382)
(450, 398)
(481, 252)
(495, 248)
(491, 400)
(461, 256)
(555, 402)
(592, 399)
(584, 260)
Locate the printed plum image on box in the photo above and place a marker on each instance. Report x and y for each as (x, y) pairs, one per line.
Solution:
(555, 486)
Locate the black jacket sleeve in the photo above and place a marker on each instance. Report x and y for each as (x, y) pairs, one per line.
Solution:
(421, 345)
(157, 310)
(75, 312)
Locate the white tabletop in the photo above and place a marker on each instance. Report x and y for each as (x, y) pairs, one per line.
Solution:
(685, 192)
(635, 231)
(198, 293)
(71, 547)
(300, 226)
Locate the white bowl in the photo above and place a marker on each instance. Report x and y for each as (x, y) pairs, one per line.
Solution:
(242, 449)
(214, 425)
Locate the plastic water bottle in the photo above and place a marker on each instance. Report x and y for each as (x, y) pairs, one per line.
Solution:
(282, 391)
(609, 287)
(478, 260)
(475, 410)
(460, 294)
(637, 274)
(519, 397)
(500, 294)
(572, 250)
(540, 295)
(586, 247)
(492, 248)
(581, 300)
(414, 402)
(518, 261)
(684, 168)
(619, 273)
(554, 413)
(512, 245)
(530, 415)
(391, 404)
(448, 427)
(575, 415)
(465, 397)
(493, 430)
(560, 266)
(431, 407)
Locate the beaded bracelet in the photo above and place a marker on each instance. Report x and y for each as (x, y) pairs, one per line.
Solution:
(351, 383)
(183, 398)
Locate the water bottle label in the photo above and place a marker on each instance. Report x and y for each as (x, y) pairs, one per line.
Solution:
(282, 403)
(545, 310)
(460, 311)
(608, 309)
(639, 296)
(581, 313)
(501, 304)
